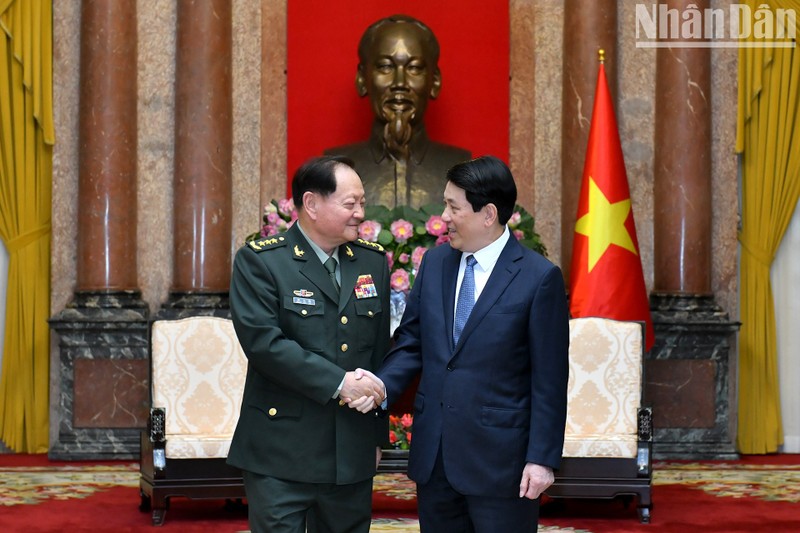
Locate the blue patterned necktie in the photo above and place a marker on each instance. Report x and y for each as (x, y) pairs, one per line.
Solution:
(466, 299)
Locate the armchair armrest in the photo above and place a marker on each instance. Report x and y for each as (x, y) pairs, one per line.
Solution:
(644, 416)
(156, 425)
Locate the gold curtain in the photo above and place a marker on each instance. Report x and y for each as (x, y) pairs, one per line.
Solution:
(26, 140)
(768, 138)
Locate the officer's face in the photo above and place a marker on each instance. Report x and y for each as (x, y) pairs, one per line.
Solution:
(339, 214)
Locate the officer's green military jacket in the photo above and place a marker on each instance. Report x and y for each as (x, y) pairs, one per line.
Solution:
(300, 338)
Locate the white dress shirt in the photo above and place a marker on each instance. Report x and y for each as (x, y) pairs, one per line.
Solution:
(486, 258)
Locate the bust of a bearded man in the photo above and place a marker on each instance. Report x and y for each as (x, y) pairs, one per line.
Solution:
(398, 69)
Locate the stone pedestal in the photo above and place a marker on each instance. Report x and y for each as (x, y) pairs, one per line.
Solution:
(104, 375)
(186, 304)
(687, 378)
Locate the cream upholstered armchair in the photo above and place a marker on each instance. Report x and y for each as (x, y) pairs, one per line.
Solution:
(608, 440)
(198, 374)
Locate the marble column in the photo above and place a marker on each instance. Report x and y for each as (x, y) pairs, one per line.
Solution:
(687, 368)
(203, 155)
(588, 26)
(104, 371)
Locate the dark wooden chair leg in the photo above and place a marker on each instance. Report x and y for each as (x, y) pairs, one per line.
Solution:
(160, 503)
(158, 516)
(644, 515)
(144, 504)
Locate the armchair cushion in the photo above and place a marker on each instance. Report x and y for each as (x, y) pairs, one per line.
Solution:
(199, 371)
(605, 387)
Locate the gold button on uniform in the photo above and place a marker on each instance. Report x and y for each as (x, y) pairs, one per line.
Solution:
(344, 347)
(273, 411)
(370, 313)
(344, 320)
(304, 312)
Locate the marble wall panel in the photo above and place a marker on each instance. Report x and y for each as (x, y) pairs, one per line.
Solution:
(66, 79)
(684, 391)
(126, 382)
(522, 94)
(635, 120)
(548, 32)
(247, 66)
(273, 100)
(63, 253)
(156, 116)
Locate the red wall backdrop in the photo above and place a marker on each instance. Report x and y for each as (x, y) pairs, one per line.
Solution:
(324, 109)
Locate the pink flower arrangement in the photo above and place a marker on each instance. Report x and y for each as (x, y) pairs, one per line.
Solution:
(407, 233)
(399, 280)
(416, 256)
(286, 208)
(436, 226)
(369, 230)
(278, 216)
(404, 232)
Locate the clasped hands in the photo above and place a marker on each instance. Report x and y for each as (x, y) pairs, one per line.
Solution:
(362, 390)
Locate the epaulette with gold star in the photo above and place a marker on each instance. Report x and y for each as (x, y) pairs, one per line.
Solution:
(370, 245)
(267, 243)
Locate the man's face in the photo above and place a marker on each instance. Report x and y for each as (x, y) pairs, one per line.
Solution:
(468, 230)
(399, 75)
(339, 214)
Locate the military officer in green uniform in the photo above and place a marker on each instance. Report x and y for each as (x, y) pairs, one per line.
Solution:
(310, 308)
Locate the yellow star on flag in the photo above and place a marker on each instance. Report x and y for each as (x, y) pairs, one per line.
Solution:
(604, 224)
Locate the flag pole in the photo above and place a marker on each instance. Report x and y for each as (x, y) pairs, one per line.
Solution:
(601, 56)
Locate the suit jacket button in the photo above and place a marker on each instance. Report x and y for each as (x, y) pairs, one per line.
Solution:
(344, 320)
(344, 347)
(450, 368)
(273, 411)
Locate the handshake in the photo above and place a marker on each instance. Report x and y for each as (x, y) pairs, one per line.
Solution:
(362, 390)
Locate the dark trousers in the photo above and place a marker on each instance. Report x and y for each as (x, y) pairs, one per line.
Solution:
(280, 506)
(442, 509)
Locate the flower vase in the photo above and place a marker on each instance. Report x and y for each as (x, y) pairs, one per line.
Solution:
(397, 305)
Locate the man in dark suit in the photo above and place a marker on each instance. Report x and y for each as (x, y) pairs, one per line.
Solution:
(309, 307)
(490, 409)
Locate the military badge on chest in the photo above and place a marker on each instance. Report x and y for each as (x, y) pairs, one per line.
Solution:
(303, 297)
(365, 287)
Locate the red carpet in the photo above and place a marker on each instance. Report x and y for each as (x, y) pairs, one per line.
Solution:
(755, 494)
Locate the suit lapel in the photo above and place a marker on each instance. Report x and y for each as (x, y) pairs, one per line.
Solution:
(449, 278)
(504, 271)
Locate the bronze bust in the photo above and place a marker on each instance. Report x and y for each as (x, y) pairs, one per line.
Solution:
(398, 68)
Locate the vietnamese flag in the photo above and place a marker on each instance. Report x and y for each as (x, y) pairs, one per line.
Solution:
(606, 278)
